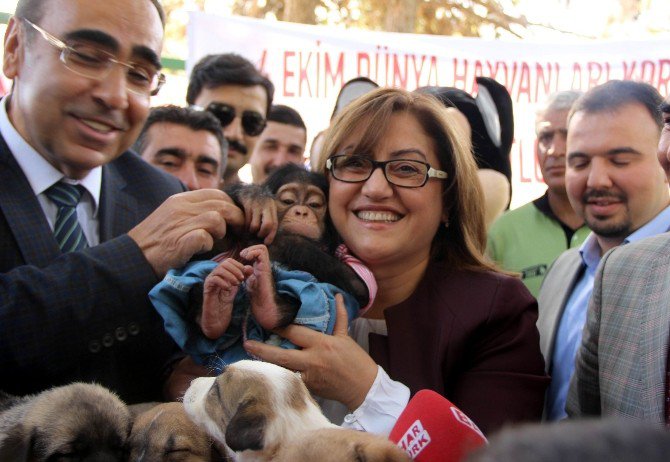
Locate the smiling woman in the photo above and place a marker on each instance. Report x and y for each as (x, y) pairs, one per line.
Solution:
(405, 199)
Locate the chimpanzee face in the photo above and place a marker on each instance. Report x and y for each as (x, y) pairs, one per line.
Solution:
(301, 209)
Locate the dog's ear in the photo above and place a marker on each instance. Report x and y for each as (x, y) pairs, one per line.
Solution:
(246, 429)
(218, 455)
(16, 444)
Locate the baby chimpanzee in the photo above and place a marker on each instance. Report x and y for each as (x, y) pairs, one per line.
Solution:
(292, 279)
(304, 241)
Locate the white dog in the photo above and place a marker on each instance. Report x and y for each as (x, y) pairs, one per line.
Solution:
(263, 412)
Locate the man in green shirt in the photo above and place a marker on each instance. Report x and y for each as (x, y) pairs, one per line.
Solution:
(529, 238)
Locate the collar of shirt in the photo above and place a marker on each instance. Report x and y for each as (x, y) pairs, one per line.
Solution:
(41, 174)
(590, 249)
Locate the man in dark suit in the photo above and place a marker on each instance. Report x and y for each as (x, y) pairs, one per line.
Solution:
(74, 277)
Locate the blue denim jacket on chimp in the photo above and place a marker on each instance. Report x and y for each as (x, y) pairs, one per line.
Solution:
(170, 298)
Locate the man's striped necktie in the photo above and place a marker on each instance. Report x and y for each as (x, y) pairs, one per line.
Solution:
(67, 230)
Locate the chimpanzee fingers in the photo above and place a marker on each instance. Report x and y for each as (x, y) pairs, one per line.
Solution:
(256, 253)
(229, 265)
(254, 219)
(269, 224)
(223, 277)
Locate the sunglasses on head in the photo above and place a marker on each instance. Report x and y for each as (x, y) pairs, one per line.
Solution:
(253, 122)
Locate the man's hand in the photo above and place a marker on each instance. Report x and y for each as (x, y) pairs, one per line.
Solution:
(184, 225)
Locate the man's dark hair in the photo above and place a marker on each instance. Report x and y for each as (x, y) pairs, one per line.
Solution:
(614, 94)
(188, 117)
(610, 439)
(286, 115)
(33, 10)
(226, 69)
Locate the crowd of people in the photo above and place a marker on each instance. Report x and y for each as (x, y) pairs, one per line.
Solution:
(550, 311)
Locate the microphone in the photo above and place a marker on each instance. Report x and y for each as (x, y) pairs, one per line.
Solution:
(431, 428)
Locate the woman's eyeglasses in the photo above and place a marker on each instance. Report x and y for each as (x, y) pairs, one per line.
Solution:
(405, 173)
(253, 123)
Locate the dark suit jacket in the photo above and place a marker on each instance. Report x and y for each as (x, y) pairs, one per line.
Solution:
(83, 315)
(471, 337)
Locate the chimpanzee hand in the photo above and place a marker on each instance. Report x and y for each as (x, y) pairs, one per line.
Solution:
(260, 285)
(219, 292)
(260, 214)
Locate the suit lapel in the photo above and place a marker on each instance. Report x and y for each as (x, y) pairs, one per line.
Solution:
(24, 214)
(654, 338)
(551, 306)
(118, 209)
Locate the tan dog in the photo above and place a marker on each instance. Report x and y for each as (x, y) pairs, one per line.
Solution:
(264, 412)
(74, 422)
(165, 433)
(338, 444)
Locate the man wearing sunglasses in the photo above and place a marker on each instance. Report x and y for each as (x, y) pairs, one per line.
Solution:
(231, 88)
(86, 226)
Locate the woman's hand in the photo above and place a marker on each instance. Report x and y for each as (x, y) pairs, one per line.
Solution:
(332, 366)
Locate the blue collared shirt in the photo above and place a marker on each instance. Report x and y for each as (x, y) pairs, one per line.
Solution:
(569, 334)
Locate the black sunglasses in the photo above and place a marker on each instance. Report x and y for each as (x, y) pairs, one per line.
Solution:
(253, 122)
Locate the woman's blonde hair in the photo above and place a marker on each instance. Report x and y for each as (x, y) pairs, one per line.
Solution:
(460, 242)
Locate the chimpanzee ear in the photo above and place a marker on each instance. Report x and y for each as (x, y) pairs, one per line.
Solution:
(246, 429)
(16, 444)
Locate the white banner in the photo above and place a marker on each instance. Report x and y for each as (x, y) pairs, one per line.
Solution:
(309, 65)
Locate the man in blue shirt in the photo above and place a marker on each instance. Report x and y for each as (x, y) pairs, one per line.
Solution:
(621, 368)
(616, 183)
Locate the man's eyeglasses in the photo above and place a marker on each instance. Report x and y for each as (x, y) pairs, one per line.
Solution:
(253, 122)
(405, 173)
(94, 63)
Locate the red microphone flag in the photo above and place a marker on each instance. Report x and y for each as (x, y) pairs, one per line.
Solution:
(431, 429)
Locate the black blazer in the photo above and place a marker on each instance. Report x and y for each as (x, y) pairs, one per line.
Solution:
(83, 315)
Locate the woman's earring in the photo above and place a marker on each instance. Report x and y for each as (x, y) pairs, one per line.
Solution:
(446, 223)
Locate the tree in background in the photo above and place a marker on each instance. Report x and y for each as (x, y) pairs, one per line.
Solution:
(466, 18)
(444, 17)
